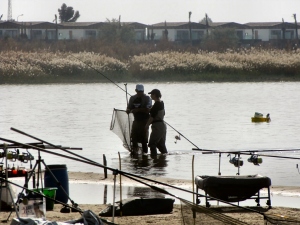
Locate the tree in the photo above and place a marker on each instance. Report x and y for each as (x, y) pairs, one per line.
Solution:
(115, 31)
(206, 20)
(67, 14)
(221, 39)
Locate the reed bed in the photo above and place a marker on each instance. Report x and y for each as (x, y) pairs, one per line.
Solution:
(170, 65)
(245, 61)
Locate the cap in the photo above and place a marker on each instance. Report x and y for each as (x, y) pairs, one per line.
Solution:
(155, 92)
(139, 87)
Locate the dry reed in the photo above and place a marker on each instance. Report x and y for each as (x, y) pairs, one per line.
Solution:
(19, 64)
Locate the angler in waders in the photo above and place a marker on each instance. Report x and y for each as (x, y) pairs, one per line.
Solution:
(139, 105)
(159, 129)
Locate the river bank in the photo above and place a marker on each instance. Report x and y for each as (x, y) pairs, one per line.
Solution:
(174, 218)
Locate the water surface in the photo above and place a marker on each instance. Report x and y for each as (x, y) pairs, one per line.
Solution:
(207, 115)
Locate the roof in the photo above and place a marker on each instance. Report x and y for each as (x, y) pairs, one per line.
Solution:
(39, 25)
(266, 25)
(135, 25)
(81, 25)
(182, 25)
(229, 25)
(29, 24)
(9, 25)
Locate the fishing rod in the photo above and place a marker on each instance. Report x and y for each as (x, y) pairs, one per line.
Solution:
(255, 156)
(181, 135)
(56, 146)
(128, 94)
(97, 71)
(116, 171)
(206, 151)
(128, 175)
(246, 151)
(90, 162)
(40, 194)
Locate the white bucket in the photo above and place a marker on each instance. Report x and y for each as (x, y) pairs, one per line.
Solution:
(33, 207)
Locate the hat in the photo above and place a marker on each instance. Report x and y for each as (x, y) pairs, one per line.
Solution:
(155, 92)
(139, 87)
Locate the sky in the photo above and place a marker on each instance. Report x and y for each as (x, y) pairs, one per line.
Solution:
(156, 11)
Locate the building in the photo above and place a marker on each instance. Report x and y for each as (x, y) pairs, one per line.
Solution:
(180, 32)
(177, 31)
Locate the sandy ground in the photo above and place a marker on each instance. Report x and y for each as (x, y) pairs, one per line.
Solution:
(173, 218)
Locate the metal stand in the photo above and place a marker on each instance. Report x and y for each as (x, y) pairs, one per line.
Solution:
(32, 172)
(115, 173)
(36, 183)
(7, 187)
(256, 197)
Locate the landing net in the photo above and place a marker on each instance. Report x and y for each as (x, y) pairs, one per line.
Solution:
(121, 124)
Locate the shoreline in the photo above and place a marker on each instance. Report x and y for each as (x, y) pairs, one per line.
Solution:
(207, 78)
(91, 177)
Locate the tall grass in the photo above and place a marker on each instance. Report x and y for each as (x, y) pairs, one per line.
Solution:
(148, 64)
(46, 64)
(246, 61)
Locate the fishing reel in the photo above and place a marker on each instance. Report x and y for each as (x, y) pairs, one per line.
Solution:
(15, 155)
(177, 138)
(25, 157)
(255, 159)
(236, 160)
(12, 155)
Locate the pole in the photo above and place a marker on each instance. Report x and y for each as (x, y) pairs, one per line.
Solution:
(296, 26)
(104, 163)
(114, 194)
(238, 165)
(6, 184)
(129, 129)
(219, 164)
(121, 205)
(194, 196)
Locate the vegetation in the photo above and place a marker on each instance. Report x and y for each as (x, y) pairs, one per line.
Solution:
(114, 31)
(221, 39)
(67, 14)
(97, 60)
(206, 20)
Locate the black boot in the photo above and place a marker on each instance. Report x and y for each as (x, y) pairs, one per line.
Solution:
(153, 151)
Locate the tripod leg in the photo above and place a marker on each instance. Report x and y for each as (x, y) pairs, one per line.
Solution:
(12, 199)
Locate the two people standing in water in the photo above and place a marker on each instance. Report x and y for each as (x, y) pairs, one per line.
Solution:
(145, 115)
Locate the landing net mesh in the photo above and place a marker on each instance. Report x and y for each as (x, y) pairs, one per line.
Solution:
(121, 123)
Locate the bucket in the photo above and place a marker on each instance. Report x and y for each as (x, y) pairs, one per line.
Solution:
(61, 174)
(33, 205)
(51, 193)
